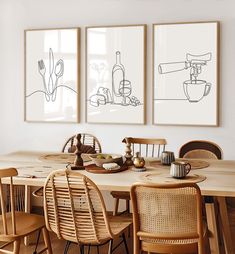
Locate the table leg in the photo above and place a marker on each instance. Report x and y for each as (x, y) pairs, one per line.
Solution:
(27, 208)
(223, 213)
(212, 227)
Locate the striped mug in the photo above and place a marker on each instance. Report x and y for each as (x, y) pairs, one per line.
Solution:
(167, 157)
(180, 169)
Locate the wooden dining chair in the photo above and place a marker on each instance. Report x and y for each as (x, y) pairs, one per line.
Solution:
(15, 225)
(87, 140)
(75, 211)
(147, 148)
(168, 218)
(200, 149)
(91, 145)
(203, 149)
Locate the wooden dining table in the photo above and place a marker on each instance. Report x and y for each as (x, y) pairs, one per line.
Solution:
(218, 181)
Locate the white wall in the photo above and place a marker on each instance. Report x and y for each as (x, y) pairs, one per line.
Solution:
(17, 15)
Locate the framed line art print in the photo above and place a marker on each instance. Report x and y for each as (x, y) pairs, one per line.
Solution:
(52, 75)
(186, 73)
(115, 74)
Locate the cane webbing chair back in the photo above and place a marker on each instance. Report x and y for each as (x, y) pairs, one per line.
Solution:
(167, 218)
(74, 208)
(86, 139)
(147, 147)
(200, 149)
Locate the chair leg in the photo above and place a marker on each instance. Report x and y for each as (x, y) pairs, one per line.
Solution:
(82, 249)
(66, 248)
(38, 238)
(110, 246)
(116, 204)
(97, 247)
(125, 243)
(16, 248)
(47, 240)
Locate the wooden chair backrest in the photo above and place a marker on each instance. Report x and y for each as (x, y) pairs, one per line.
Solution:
(200, 149)
(166, 212)
(146, 146)
(86, 139)
(74, 208)
(8, 229)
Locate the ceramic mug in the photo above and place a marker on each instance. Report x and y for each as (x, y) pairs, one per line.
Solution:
(167, 157)
(180, 169)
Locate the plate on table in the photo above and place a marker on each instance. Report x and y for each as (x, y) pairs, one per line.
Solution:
(92, 168)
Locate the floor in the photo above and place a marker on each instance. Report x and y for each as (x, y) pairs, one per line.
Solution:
(58, 247)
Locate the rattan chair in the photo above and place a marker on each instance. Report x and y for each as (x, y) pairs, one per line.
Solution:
(203, 149)
(168, 218)
(200, 149)
(86, 139)
(147, 148)
(16, 225)
(75, 211)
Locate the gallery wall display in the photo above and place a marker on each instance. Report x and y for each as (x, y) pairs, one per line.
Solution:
(52, 75)
(186, 73)
(115, 74)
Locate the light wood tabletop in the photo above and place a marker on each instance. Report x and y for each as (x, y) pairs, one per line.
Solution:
(220, 174)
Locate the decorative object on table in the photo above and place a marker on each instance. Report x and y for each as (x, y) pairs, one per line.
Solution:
(179, 169)
(167, 157)
(102, 158)
(110, 166)
(92, 168)
(201, 149)
(186, 73)
(78, 162)
(52, 75)
(138, 161)
(163, 177)
(87, 139)
(128, 155)
(116, 78)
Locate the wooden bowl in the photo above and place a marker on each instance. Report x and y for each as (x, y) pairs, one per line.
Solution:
(99, 162)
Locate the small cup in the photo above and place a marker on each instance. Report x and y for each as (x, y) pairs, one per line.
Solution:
(180, 169)
(167, 157)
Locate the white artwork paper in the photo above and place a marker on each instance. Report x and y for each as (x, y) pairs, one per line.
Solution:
(116, 74)
(185, 73)
(51, 75)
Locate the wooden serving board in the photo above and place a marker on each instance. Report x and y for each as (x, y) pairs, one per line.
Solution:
(92, 168)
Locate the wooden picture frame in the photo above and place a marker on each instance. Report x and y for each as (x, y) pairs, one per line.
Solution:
(52, 75)
(116, 74)
(186, 73)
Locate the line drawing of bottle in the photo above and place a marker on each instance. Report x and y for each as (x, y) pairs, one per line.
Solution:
(118, 75)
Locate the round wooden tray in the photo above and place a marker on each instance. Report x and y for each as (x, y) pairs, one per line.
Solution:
(92, 168)
(195, 164)
(166, 178)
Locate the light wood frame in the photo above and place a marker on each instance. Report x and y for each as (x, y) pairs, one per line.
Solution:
(217, 72)
(144, 71)
(78, 73)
